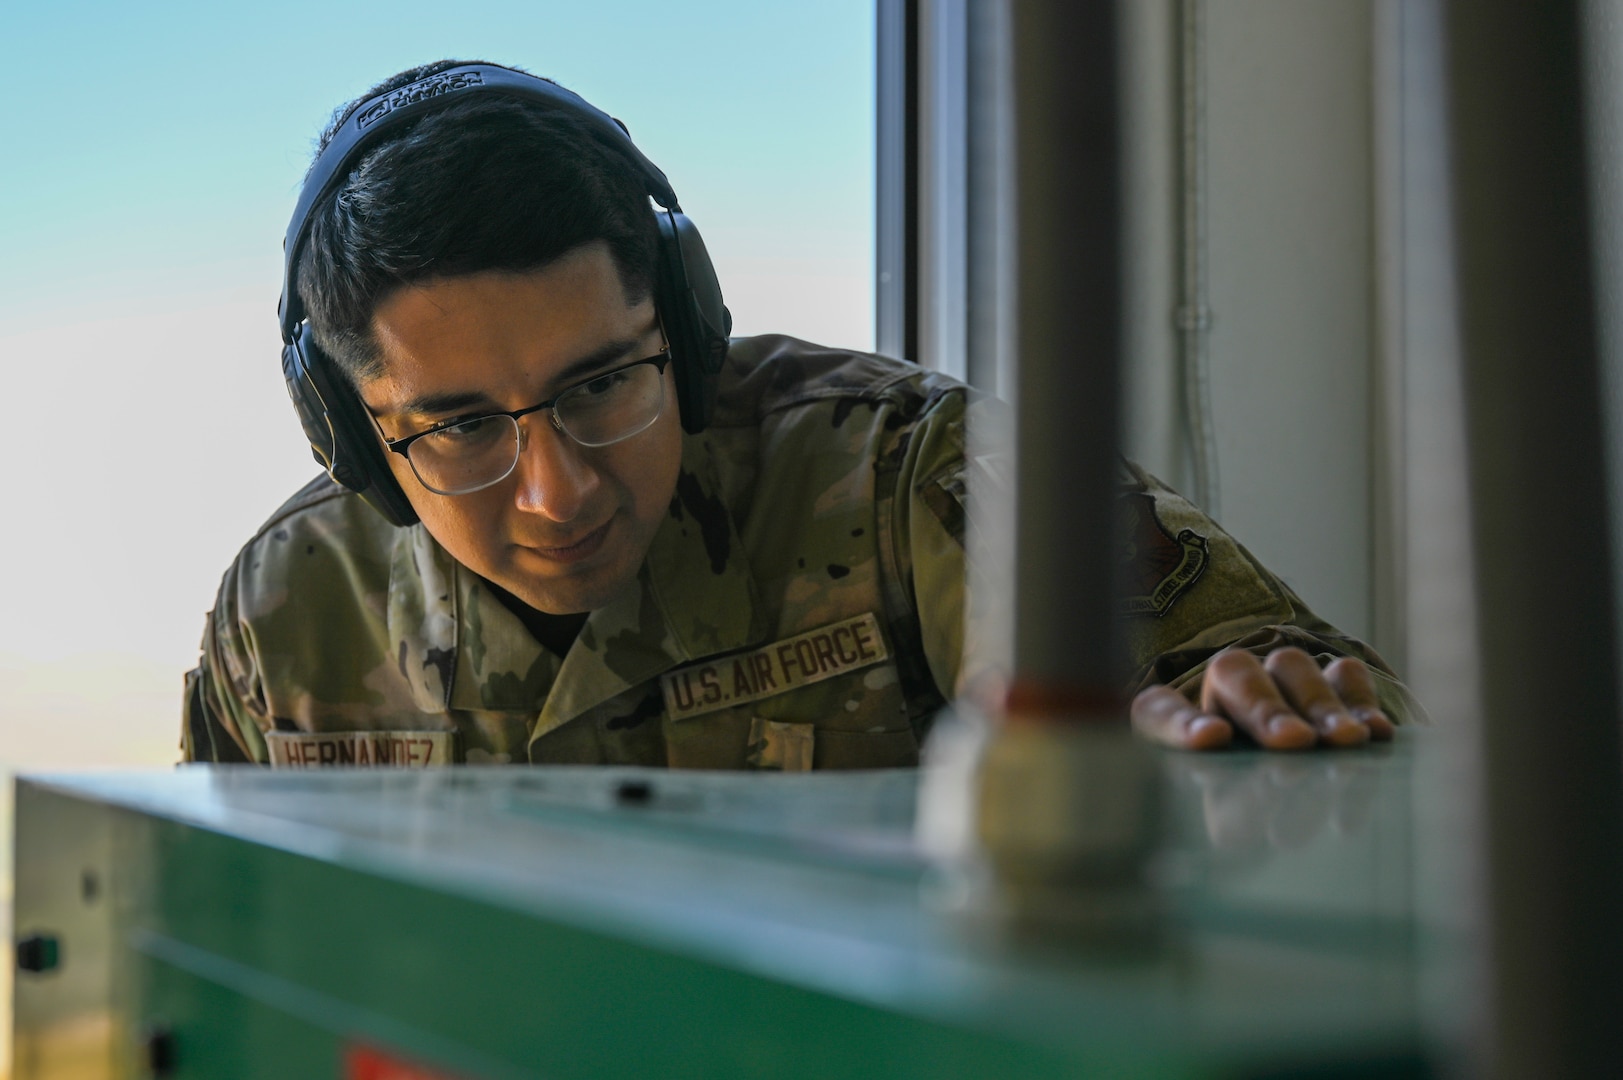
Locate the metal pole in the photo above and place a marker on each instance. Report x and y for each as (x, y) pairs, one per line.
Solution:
(1552, 757)
(1068, 343)
(1050, 811)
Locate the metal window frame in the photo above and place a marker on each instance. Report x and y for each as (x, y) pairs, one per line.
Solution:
(896, 187)
(942, 149)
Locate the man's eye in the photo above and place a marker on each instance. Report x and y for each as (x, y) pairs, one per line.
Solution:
(604, 384)
(466, 432)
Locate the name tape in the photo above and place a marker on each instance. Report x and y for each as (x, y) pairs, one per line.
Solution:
(831, 650)
(408, 749)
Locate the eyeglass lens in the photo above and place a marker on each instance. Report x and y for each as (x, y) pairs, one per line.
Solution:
(465, 457)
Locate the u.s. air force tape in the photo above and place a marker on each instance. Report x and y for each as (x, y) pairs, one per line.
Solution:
(848, 645)
(411, 749)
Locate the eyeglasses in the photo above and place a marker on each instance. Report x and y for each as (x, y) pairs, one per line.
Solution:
(466, 455)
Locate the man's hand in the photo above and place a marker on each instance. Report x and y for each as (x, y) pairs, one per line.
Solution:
(1282, 703)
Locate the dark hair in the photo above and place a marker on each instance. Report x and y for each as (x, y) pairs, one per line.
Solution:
(488, 184)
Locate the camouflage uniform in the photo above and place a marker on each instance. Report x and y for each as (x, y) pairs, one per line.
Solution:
(801, 605)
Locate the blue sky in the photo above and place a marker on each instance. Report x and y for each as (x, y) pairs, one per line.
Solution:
(145, 139)
(150, 155)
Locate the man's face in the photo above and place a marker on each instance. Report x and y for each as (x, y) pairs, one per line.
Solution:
(567, 530)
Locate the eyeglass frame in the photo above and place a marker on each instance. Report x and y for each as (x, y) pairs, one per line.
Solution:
(661, 360)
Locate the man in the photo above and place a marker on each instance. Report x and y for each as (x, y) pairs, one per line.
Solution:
(582, 538)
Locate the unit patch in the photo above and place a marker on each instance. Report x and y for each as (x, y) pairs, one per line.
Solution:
(848, 645)
(307, 749)
(1159, 567)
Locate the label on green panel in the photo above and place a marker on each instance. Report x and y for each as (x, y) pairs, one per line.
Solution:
(367, 1063)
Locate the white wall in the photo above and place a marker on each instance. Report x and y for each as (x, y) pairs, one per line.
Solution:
(1293, 344)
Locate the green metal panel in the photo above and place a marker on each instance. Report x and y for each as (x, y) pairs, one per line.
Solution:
(526, 923)
(222, 1033)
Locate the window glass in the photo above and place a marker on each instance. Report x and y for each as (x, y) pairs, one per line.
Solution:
(149, 433)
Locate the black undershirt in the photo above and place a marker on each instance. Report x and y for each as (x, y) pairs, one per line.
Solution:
(555, 632)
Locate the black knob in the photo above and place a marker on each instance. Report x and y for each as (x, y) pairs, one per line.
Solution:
(634, 793)
(158, 1048)
(38, 952)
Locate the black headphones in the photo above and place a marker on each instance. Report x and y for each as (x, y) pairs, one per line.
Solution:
(686, 292)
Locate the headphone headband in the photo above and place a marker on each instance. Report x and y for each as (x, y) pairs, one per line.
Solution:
(341, 433)
(363, 128)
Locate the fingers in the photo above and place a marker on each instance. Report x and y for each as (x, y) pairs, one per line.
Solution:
(1310, 694)
(1239, 687)
(1285, 702)
(1163, 715)
(1352, 682)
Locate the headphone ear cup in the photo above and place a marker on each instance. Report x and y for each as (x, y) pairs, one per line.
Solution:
(339, 430)
(697, 322)
(312, 412)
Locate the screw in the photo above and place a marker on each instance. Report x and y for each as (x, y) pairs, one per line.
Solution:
(38, 953)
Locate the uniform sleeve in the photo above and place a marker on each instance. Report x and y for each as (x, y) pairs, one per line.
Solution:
(1189, 590)
(928, 533)
(1192, 591)
(221, 707)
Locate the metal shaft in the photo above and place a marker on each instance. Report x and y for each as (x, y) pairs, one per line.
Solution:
(1552, 757)
(1068, 341)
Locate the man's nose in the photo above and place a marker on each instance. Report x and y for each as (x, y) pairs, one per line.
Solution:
(554, 479)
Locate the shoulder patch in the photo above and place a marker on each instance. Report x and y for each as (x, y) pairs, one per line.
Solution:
(1160, 567)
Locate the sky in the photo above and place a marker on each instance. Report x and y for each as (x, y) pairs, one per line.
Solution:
(153, 153)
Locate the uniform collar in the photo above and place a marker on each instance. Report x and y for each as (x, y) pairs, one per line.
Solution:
(422, 614)
(459, 647)
(693, 597)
